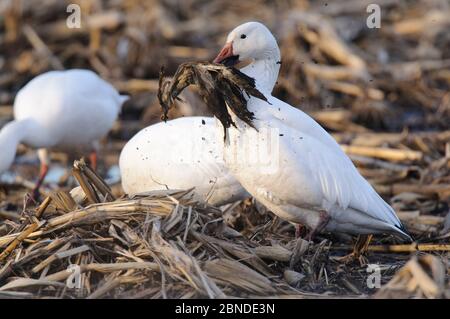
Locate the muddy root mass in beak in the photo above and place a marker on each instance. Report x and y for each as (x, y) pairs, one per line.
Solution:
(218, 85)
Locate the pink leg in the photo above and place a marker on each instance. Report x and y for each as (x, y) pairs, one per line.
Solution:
(43, 172)
(93, 159)
(300, 230)
(323, 221)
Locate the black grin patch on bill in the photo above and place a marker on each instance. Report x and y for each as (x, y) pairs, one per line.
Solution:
(230, 61)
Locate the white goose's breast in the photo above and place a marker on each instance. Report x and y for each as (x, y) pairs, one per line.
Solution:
(269, 167)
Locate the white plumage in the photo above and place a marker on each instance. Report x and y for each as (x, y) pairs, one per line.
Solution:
(60, 109)
(73, 107)
(179, 154)
(310, 180)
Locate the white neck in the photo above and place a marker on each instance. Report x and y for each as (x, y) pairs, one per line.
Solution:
(10, 136)
(265, 72)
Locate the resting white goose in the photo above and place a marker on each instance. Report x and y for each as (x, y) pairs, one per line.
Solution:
(307, 178)
(62, 109)
(179, 154)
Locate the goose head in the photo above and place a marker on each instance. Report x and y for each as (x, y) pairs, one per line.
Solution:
(252, 48)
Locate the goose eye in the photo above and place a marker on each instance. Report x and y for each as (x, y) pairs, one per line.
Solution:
(243, 36)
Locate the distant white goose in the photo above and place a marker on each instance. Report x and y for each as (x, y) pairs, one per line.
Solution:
(307, 178)
(60, 109)
(179, 154)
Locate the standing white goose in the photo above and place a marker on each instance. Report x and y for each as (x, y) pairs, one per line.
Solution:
(179, 154)
(310, 180)
(60, 109)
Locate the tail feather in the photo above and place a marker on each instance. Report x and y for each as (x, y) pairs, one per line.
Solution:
(402, 233)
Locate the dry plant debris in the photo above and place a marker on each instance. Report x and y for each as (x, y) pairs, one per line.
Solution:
(218, 86)
(164, 245)
(383, 94)
(421, 277)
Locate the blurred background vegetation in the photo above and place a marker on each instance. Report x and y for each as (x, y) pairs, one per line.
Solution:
(390, 78)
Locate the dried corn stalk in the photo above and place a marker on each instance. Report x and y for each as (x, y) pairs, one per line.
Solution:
(422, 276)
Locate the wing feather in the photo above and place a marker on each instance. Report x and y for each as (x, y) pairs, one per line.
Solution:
(339, 180)
(342, 184)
